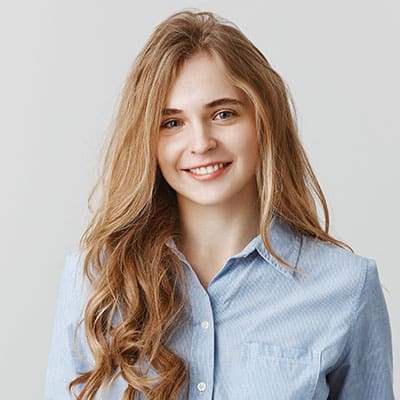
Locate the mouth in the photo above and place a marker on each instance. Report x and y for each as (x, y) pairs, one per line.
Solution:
(208, 169)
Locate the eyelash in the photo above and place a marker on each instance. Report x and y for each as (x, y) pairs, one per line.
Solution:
(165, 124)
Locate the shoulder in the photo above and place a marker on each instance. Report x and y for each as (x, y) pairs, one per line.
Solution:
(319, 263)
(73, 274)
(319, 260)
(317, 257)
(337, 271)
(73, 287)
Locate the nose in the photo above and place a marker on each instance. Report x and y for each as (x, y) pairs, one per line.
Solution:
(201, 139)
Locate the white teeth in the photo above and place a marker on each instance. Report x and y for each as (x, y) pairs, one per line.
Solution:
(207, 170)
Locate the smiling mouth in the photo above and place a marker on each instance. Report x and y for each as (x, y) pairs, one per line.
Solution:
(209, 169)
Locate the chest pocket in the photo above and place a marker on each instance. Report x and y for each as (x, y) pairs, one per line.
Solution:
(271, 372)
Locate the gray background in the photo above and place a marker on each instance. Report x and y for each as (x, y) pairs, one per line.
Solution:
(62, 68)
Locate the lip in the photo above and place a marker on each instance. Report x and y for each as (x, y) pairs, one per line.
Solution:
(207, 164)
(212, 175)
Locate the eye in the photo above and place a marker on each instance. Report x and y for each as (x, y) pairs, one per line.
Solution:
(225, 114)
(172, 123)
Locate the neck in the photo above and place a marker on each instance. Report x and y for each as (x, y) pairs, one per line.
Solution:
(219, 230)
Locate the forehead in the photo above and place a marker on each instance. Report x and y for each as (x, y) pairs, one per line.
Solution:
(202, 79)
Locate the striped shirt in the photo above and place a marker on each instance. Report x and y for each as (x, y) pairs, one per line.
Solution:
(261, 331)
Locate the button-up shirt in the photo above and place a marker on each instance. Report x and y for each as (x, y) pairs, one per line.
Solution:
(261, 331)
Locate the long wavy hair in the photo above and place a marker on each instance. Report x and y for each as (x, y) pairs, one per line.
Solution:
(132, 271)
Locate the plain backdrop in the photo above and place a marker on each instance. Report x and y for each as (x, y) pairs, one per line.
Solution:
(62, 67)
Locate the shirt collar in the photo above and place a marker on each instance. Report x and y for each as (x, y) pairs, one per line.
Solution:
(284, 241)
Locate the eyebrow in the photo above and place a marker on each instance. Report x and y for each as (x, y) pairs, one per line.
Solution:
(215, 103)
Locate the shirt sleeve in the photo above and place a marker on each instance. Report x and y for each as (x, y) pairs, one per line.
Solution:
(63, 362)
(365, 372)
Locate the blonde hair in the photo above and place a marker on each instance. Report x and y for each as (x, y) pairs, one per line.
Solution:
(132, 271)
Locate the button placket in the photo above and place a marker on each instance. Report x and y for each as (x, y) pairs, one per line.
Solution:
(201, 387)
(201, 363)
(205, 325)
(203, 350)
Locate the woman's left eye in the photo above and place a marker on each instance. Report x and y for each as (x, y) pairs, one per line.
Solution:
(224, 114)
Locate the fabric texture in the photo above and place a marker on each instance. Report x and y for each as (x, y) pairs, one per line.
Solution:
(260, 331)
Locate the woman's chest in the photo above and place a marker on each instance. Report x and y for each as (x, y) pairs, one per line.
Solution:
(261, 346)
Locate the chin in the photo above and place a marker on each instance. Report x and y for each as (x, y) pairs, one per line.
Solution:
(207, 201)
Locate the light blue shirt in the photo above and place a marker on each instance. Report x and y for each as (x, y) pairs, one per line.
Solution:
(261, 331)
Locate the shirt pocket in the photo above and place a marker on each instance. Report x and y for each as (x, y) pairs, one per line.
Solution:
(278, 372)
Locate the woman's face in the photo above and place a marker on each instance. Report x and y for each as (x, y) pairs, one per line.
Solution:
(207, 148)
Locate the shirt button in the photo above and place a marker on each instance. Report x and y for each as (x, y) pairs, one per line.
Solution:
(205, 325)
(201, 386)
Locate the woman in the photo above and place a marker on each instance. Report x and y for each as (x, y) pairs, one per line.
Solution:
(205, 269)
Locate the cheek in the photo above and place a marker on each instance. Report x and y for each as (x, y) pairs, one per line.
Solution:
(251, 149)
(247, 143)
(167, 155)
